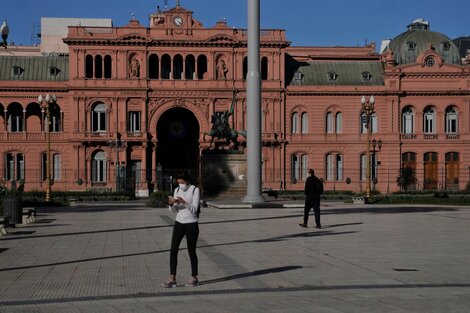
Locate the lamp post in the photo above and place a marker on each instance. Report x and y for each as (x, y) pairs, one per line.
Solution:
(368, 108)
(376, 147)
(116, 144)
(5, 30)
(46, 103)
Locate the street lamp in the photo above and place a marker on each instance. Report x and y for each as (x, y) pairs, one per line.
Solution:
(116, 144)
(368, 108)
(376, 147)
(5, 30)
(46, 103)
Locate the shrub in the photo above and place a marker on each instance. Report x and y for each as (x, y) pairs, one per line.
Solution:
(158, 199)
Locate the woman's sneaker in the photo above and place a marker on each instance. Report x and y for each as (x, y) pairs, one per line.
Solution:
(169, 284)
(192, 282)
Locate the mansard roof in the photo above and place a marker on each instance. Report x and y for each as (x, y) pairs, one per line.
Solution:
(334, 73)
(34, 68)
(407, 46)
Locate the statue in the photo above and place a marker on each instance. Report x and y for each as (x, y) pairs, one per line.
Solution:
(221, 126)
(221, 69)
(134, 67)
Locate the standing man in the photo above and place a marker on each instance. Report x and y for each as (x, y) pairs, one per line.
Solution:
(313, 191)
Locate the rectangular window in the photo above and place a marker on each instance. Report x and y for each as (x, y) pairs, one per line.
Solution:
(9, 167)
(339, 167)
(329, 167)
(429, 124)
(134, 122)
(407, 124)
(295, 167)
(363, 167)
(19, 166)
(56, 165)
(304, 167)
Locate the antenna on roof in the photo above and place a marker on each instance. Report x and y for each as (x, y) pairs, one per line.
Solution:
(166, 4)
(177, 3)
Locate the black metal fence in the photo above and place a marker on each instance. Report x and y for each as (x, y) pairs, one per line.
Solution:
(384, 179)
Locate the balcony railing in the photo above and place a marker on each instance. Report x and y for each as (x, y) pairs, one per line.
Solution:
(408, 136)
(431, 136)
(452, 136)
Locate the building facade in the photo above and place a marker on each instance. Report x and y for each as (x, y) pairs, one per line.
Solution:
(134, 104)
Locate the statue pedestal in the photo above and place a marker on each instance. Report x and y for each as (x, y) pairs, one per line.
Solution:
(223, 173)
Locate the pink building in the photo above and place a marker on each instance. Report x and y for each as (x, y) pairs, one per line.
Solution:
(134, 102)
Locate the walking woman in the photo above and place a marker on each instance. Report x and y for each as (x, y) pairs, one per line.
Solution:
(185, 204)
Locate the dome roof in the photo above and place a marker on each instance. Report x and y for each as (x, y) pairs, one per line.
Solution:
(407, 46)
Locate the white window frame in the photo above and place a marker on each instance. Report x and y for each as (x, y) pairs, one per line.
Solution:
(429, 121)
(408, 121)
(329, 123)
(304, 122)
(339, 123)
(99, 118)
(134, 121)
(99, 168)
(452, 121)
(294, 123)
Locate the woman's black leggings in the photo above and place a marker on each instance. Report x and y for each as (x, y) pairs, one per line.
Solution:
(191, 230)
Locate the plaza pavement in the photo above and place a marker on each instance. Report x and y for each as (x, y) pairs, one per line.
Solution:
(113, 257)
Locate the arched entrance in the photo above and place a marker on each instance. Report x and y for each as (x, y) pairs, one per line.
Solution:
(178, 145)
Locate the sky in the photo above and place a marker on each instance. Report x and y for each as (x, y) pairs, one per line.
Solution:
(307, 22)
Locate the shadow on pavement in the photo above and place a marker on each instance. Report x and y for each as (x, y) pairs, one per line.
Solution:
(389, 210)
(250, 274)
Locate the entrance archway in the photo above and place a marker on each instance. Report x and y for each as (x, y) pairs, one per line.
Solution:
(178, 145)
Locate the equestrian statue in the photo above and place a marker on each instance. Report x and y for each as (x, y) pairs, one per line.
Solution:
(221, 126)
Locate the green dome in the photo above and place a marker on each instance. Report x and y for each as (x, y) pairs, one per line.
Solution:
(408, 45)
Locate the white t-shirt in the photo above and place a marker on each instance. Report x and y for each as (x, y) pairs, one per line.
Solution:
(186, 213)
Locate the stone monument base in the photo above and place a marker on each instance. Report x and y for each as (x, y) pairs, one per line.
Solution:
(223, 173)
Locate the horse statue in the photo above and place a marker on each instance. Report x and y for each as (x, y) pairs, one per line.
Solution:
(221, 127)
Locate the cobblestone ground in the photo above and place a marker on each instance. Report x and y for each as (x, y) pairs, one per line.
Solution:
(112, 258)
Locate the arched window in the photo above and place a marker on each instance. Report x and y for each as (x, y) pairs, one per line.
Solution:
(264, 68)
(14, 166)
(408, 171)
(430, 170)
(329, 123)
(56, 167)
(201, 66)
(98, 118)
(339, 167)
(98, 66)
(166, 66)
(363, 167)
(299, 167)
(339, 123)
(452, 170)
(178, 67)
(452, 121)
(108, 65)
(334, 167)
(190, 67)
(304, 167)
(295, 167)
(294, 123)
(245, 67)
(99, 167)
(330, 167)
(407, 120)
(15, 118)
(89, 66)
(153, 66)
(373, 124)
(429, 121)
(304, 123)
